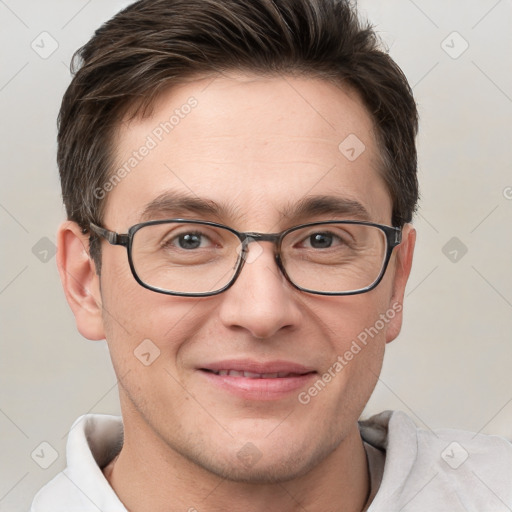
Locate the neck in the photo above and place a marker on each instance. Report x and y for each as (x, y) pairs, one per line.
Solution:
(150, 475)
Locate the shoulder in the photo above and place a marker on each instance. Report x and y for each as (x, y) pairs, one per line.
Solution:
(93, 441)
(58, 495)
(444, 469)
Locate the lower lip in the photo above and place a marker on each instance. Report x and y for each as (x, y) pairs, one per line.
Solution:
(259, 389)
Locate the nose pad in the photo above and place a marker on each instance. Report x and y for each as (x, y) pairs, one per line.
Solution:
(253, 248)
(250, 250)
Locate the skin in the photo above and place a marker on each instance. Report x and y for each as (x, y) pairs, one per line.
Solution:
(256, 145)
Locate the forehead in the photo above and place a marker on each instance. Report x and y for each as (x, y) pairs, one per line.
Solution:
(254, 145)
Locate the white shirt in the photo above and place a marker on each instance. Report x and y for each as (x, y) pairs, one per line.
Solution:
(411, 469)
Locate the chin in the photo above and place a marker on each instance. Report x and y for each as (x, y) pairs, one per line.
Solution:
(267, 470)
(260, 462)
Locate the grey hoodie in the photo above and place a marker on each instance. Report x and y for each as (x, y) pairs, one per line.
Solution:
(411, 469)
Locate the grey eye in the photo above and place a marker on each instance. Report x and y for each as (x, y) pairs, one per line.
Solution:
(190, 241)
(320, 240)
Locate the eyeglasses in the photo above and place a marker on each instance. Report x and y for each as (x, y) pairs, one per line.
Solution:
(199, 258)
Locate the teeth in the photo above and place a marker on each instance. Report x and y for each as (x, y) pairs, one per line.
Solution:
(252, 375)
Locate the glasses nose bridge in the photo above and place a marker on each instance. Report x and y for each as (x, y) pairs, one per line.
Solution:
(248, 237)
(253, 236)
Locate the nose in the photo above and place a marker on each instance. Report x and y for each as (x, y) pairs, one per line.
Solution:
(261, 301)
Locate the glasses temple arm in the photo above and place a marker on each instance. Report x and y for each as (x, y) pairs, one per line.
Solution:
(111, 237)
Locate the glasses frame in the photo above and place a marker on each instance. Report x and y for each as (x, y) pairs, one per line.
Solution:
(393, 238)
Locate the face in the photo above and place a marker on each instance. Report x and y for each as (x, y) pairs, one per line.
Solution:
(256, 148)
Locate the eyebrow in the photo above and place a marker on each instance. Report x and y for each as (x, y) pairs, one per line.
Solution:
(334, 206)
(173, 204)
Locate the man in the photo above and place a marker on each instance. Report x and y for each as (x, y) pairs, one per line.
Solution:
(240, 178)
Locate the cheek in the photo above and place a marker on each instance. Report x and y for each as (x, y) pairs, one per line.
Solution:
(139, 321)
(132, 314)
(356, 327)
(362, 317)
(120, 295)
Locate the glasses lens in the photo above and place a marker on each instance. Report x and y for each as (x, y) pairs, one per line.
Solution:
(185, 257)
(334, 258)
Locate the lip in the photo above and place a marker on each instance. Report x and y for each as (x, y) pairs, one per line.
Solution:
(258, 388)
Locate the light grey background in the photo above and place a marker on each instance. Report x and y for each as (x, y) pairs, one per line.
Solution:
(451, 364)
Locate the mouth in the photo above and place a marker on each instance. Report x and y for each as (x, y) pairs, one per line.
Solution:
(253, 380)
(253, 375)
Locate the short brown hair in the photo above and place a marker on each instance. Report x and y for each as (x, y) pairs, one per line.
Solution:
(154, 44)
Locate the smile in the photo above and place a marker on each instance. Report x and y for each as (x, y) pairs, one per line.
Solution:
(252, 375)
(258, 381)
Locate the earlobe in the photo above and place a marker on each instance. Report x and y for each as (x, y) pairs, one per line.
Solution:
(80, 280)
(403, 264)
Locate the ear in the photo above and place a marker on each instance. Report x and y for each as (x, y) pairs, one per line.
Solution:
(403, 263)
(79, 279)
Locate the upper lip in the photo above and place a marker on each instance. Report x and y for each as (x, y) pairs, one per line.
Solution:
(250, 365)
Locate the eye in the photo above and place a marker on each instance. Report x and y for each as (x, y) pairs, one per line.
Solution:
(188, 241)
(321, 240)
